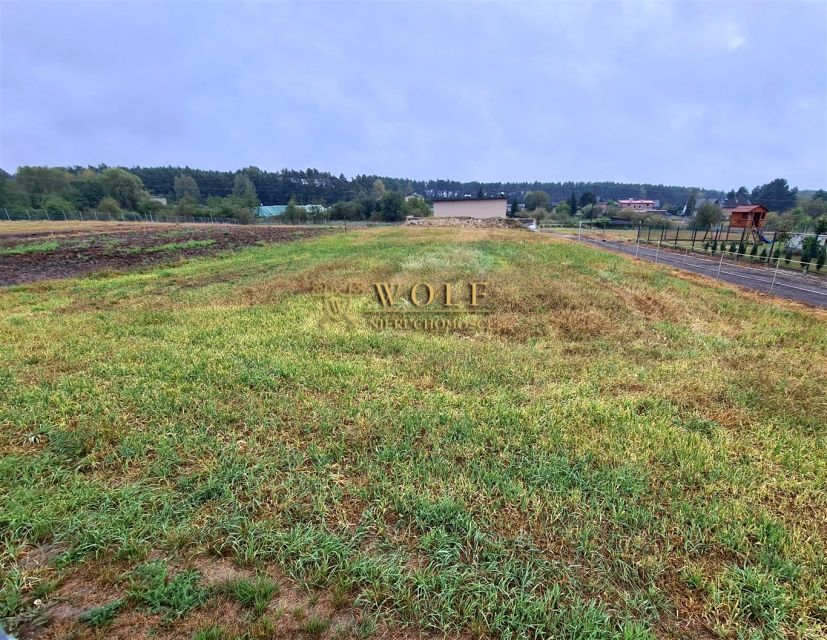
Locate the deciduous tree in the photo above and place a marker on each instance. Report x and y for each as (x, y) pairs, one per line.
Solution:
(187, 187)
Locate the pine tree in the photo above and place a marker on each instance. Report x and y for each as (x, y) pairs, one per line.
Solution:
(573, 203)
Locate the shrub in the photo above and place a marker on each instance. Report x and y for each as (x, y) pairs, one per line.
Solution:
(109, 205)
(56, 203)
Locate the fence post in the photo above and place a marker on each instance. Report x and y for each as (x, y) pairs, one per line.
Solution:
(64, 216)
(80, 213)
(7, 213)
(685, 255)
(718, 275)
(775, 273)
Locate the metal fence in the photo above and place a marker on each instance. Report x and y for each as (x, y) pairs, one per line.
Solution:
(741, 243)
(105, 216)
(717, 254)
(23, 215)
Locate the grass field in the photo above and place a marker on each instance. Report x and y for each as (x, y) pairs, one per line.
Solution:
(198, 451)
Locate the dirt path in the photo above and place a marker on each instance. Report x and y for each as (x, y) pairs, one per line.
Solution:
(32, 255)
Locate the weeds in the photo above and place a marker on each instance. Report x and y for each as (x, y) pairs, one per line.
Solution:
(35, 247)
(102, 616)
(151, 587)
(254, 593)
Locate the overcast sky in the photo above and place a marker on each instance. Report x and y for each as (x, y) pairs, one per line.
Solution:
(712, 94)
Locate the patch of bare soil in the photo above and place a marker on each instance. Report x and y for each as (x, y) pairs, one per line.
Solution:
(294, 612)
(80, 253)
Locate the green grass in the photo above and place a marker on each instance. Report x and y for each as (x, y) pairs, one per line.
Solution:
(254, 593)
(102, 616)
(35, 247)
(152, 588)
(621, 453)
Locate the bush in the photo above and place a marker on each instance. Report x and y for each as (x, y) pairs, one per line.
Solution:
(147, 206)
(186, 206)
(56, 203)
(109, 205)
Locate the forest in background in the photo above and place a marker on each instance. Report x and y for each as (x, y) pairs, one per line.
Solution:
(311, 186)
(184, 191)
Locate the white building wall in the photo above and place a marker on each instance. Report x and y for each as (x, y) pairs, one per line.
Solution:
(470, 208)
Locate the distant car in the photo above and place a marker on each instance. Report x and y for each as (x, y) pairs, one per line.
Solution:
(528, 223)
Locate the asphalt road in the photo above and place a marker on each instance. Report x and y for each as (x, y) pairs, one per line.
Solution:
(810, 289)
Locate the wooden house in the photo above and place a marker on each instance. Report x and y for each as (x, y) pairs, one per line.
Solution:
(750, 216)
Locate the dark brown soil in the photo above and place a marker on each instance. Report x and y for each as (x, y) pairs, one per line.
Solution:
(81, 252)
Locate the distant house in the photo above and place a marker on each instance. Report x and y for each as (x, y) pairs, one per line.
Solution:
(726, 205)
(413, 196)
(471, 207)
(731, 203)
(637, 205)
(159, 200)
(750, 216)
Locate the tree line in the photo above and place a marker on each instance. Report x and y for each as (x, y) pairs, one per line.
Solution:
(199, 192)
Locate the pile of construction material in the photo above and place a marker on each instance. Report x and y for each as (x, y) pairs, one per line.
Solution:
(472, 223)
